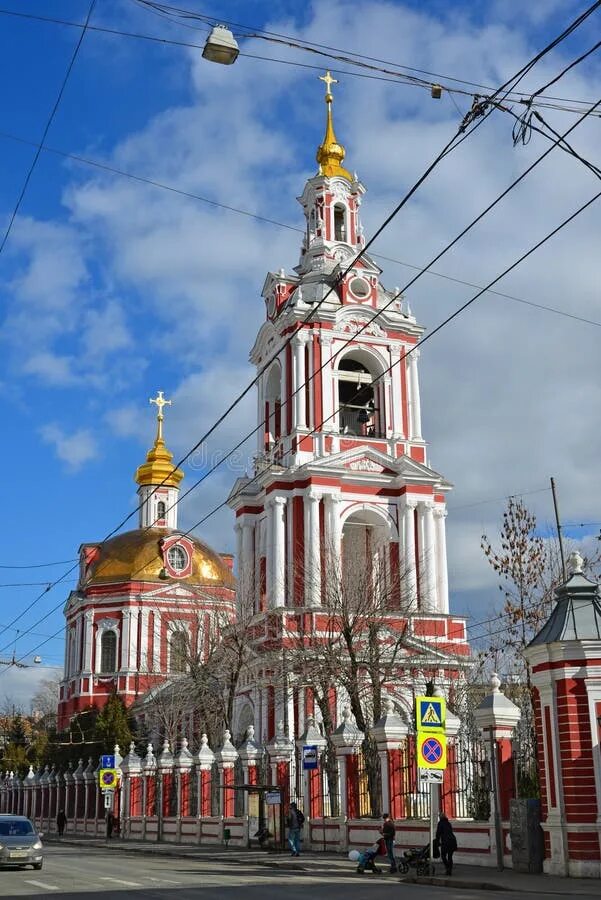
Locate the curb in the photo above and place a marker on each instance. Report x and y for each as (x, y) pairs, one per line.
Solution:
(464, 884)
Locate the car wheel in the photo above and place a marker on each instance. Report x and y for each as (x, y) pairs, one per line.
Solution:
(38, 866)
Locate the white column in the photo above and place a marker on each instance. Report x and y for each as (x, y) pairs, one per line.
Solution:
(386, 419)
(442, 580)
(326, 381)
(156, 643)
(415, 415)
(66, 665)
(125, 638)
(268, 537)
(88, 636)
(260, 416)
(278, 592)
(133, 639)
(239, 560)
(312, 549)
(246, 563)
(78, 638)
(397, 398)
(298, 346)
(144, 641)
(407, 559)
(333, 533)
(427, 558)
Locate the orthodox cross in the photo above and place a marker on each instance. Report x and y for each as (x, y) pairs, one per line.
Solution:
(160, 403)
(329, 82)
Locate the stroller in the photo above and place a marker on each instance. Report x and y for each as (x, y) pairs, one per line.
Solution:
(417, 858)
(366, 861)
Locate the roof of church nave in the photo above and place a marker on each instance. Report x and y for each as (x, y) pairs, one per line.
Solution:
(137, 556)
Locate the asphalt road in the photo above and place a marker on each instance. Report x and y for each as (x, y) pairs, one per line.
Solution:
(78, 872)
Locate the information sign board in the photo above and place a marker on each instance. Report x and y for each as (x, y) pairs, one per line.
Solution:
(310, 757)
(431, 750)
(272, 798)
(430, 713)
(107, 761)
(108, 778)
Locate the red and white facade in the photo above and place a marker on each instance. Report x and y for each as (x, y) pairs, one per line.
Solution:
(145, 599)
(342, 463)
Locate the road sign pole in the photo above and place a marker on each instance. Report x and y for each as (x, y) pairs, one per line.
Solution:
(433, 787)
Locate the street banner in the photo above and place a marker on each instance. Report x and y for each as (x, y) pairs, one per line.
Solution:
(431, 750)
(430, 713)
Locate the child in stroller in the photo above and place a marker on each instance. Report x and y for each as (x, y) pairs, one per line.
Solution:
(417, 858)
(366, 859)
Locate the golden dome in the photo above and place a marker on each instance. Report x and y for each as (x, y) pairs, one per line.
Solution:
(159, 468)
(330, 153)
(138, 556)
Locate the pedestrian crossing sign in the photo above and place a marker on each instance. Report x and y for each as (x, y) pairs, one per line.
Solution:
(430, 713)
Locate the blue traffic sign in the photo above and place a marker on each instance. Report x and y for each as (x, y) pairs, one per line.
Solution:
(107, 761)
(310, 757)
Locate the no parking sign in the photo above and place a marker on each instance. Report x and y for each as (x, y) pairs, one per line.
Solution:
(431, 750)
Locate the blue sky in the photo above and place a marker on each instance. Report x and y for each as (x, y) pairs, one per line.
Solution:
(111, 290)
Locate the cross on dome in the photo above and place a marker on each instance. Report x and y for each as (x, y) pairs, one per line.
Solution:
(330, 153)
(160, 403)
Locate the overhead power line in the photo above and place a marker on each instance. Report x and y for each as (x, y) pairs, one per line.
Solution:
(515, 79)
(386, 75)
(49, 122)
(161, 185)
(59, 562)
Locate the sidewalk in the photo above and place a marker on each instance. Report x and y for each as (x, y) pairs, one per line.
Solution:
(464, 877)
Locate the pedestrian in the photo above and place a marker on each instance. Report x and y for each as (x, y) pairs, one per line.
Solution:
(388, 832)
(61, 822)
(295, 822)
(110, 824)
(445, 837)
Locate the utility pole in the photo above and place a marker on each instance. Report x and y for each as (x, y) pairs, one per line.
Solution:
(559, 535)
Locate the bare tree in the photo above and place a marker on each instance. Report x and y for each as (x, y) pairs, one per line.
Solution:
(360, 644)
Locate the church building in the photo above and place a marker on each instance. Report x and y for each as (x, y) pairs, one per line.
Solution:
(342, 475)
(145, 599)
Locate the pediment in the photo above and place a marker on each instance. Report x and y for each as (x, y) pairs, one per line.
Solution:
(172, 591)
(368, 460)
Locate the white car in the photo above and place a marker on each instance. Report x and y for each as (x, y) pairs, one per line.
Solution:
(20, 843)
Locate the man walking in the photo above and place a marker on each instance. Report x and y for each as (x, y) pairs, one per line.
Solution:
(388, 832)
(447, 842)
(61, 822)
(295, 822)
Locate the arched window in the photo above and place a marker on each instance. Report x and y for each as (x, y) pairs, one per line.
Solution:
(339, 223)
(177, 558)
(358, 412)
(178, 647)
(161, 509)
(273, 406)
(108, 652)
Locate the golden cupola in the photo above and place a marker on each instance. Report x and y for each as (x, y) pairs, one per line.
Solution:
(330, 153)
(158, 468)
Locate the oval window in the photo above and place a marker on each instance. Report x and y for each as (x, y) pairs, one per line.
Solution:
(177, 558)
(360, 288)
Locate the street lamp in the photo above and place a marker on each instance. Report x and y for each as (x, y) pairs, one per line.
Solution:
(19, 665)
(221, 46)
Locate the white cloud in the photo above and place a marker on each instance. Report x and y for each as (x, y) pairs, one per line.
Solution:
(509, 393)
(18, 686)
(49, 368)
(74, 449)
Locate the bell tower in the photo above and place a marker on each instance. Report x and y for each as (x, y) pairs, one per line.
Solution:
(341, 470)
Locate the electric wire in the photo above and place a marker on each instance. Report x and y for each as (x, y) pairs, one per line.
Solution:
(59, 562)
(447, 149)
(388, 76)
(152, 182)
(310, 45)
(47, 127)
